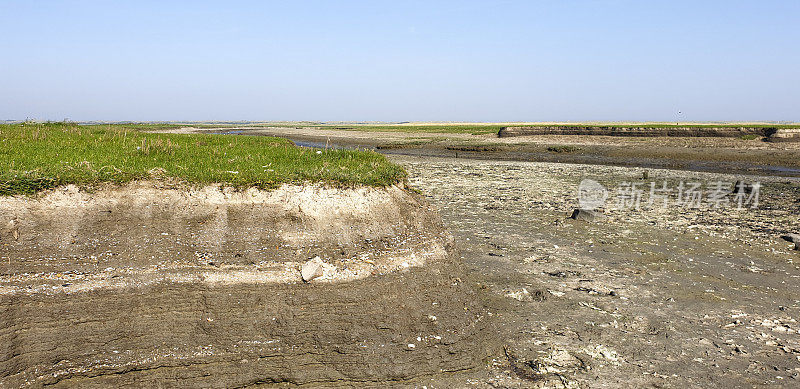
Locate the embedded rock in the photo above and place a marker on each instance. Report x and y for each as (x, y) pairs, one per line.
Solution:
(312, 269)
(794, 238)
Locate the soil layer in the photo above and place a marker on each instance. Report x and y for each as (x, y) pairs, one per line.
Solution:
(153, 285)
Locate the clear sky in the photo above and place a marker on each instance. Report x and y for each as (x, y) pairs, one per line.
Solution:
(558, 60)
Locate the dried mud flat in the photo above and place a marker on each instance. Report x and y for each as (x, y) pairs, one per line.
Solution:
(662, 297)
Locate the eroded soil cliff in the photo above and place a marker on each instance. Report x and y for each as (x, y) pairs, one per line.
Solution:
(152, 284)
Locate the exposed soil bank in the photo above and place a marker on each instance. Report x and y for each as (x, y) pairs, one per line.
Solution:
(155, 285)
(786, 135)
(782, 134)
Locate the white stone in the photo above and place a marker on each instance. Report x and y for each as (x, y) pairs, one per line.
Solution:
(312, 269)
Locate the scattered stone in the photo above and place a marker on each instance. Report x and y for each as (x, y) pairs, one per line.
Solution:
(588, 215)
(312, 269)
(563, 273)
(13, 228)
(595, 292)
(519, 295)
(738, 350)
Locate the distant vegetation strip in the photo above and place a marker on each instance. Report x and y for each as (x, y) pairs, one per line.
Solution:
(447, 128)
(38, 156)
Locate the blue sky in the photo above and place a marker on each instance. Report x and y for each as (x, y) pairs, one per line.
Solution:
(462, 60)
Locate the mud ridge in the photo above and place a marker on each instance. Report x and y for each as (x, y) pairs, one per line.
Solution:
(783, 134)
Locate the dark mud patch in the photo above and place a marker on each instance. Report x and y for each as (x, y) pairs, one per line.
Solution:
(650, 154)
(757, 163)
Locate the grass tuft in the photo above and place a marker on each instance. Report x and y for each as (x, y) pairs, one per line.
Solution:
(39, 156)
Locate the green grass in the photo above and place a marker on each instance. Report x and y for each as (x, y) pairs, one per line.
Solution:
(38, 156)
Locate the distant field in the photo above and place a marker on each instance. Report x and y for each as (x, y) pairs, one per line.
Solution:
(37, 156)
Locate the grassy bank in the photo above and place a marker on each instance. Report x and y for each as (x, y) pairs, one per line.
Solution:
(37, 156)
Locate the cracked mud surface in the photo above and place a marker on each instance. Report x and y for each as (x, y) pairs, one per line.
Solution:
(649, 298)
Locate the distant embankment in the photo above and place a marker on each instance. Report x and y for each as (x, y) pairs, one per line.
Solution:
(786, 135)
(772, 133)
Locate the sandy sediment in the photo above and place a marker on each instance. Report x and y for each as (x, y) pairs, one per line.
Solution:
(160, 284)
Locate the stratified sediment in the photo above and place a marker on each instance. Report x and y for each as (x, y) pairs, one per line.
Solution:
(152, 285)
